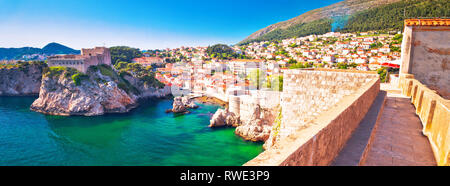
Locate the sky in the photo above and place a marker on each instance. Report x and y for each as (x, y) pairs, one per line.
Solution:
(144, 24)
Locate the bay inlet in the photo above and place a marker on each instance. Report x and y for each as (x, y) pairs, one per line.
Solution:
(145, 136)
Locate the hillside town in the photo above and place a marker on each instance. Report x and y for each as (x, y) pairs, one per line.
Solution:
(369, 50)
(196, 70)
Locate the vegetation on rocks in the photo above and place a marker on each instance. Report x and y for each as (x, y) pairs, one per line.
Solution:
(66, 72)
(22, 65)
(56, 71)
(277, 124)
(78, 77)
(21, 78)
(122, 83)
(138, 71)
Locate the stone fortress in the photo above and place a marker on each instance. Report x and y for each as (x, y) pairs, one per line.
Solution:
(88, 57)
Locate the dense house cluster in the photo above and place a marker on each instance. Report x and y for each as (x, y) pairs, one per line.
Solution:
(37, 57)
(218, 79)
(182, 54)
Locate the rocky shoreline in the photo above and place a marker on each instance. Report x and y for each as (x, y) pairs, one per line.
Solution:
(223, 117)
(66, 92)
(22, 79)
(257, 127)
(181, 105)
(95, 93)
(211, 100)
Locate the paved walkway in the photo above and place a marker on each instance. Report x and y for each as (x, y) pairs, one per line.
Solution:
(351, 154)
(398, 140)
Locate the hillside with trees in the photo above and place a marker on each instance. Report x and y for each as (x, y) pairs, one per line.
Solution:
(391, 16)
(353, 16)
(124, 53)
(221, 51)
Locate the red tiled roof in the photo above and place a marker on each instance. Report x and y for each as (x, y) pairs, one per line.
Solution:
(427, 22)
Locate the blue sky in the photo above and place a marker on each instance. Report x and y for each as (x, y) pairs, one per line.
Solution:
(145, 24)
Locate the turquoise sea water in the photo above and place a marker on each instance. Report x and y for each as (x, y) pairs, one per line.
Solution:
(145, 136)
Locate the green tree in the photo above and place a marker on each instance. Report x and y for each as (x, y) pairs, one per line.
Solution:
(383, 72)
(274, 82)
(292, 61)
(256, 78)
(121, 65)
(124, 53)
(391, 16)
(221, 51)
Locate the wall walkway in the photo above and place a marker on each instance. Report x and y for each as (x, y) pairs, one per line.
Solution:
(397, 139)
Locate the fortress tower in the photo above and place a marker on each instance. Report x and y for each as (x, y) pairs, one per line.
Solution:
(88, 57)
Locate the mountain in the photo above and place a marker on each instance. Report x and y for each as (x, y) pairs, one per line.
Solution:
(352, 16)
(49, 49)
(55, 48)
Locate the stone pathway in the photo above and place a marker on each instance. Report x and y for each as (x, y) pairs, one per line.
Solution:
(353, 150)
(398, 139)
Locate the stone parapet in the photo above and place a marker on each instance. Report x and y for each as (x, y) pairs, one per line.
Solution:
(434, 112)
(321, 109)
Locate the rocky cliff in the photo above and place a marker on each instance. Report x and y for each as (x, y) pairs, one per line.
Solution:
(259, 126)
(64, 91)
(223, 117)
(182, 104)
(145, 89)
(256, 127)
(23, 78)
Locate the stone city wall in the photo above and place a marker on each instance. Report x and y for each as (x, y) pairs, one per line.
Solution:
(306, 94)
(434, 112)
(320, 111)
(244, 105)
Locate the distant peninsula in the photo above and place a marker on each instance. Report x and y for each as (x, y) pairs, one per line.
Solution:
(47, 50)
